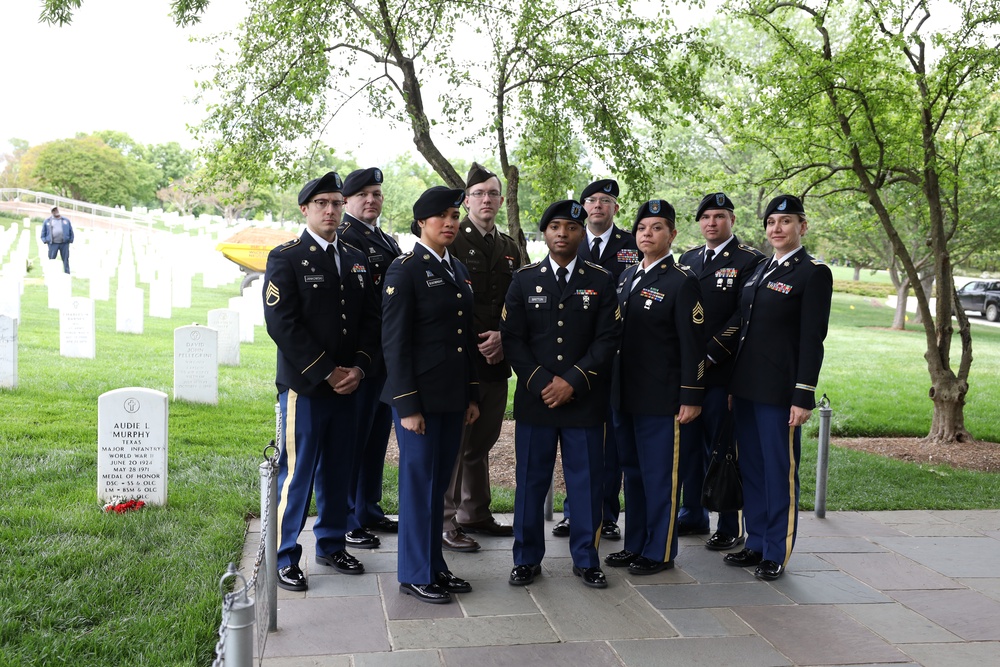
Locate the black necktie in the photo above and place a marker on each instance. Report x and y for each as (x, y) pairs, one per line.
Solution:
(636, 279)
(772, 266)
(447, 267)
(709, 254)
(489, 242)
(331, 250)
(595, 250)
(561, 277)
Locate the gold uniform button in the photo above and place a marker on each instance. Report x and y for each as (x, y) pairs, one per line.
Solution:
(561, 306)
(459, 349)
(459, 295)
(559, 358)
(459, 331)
(558, 340)
(559, 323)
(459, 313)
(345, 331)
(315, 286)
(343, 303)
(343, 316)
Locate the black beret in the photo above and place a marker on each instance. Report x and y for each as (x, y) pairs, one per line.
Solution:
(783, 204)
(329, 182)
(435, 201)
(654, 208)
(716, 200)
(361, 178)
(478, 174)
(566, 209)
(607, 186)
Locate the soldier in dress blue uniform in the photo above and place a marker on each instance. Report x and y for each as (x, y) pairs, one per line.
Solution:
(723, 265)
(428, 337)
(321, 310)
(560, 328)
(614, 249)
(785, 311)
(657, 386)
(363, 191)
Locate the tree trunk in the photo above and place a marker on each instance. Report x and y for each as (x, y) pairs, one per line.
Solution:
(857, 272)
(927, 282)
(948, 422)
(513, 176)
(902, 294)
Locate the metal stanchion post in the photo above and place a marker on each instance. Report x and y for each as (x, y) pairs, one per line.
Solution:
(269, 519)
(823, 455)
(239, 623)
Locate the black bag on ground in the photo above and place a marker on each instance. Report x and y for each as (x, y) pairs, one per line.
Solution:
(723, 488)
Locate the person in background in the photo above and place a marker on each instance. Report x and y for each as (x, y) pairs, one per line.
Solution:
(57, 234)
(657, 388)
(783, 319)
(321, 310)
(428, 339)
(560, 327)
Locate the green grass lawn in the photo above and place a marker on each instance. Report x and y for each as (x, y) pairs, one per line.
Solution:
(87, 589)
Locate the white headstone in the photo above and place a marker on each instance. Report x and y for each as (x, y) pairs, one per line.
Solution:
(159, 299)
(227, 323)
(181, 288)
(132, 445)
(196, 364)
(129, 311)
(100, 286)
(8, 351)
(60, 287)
(10, 297)
(76, 328)
(237, 303)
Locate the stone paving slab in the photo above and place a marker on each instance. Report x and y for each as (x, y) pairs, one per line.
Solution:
(406, 607)
(336, 584)
(495, 597)
(969, 614)
(706, 622)
(950, 655)
(742, 651)
(707, 567)
(462, 632)
(304, 627)
(712, 595)
(826, 587)
(825, 545)
(819, 635)
(578, 613)
(897, 624)
(988, 586)
(889, 571)
(951, 556)
(426, 658)
(571, 654)
(308, 661)
(801, 562)
(843, 524)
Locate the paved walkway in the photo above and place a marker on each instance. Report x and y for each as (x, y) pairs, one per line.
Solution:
(870, 588)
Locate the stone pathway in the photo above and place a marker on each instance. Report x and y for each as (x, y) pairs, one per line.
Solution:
(870, 588)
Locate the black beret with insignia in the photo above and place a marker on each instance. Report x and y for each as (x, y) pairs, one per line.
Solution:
(566, 209)
(654, 208)
(784, 204)
(329, 182)
(435, 201)
(716, 200)
(361, 178)
(608, 186)
(478, 174)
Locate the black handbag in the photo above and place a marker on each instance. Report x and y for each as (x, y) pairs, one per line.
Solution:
(723, 487)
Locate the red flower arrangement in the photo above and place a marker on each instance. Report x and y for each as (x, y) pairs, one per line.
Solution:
(121, 505)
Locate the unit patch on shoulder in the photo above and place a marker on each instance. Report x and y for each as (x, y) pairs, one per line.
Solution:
(271, 295)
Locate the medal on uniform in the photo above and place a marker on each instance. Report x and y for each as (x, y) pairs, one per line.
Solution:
(649, 302)
(538, 288)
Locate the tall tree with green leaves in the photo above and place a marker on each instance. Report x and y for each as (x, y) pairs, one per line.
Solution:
(863, 98)
(85, 168)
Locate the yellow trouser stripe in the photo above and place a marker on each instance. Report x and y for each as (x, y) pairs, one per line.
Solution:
(674, 490)
(604, 444)
(792, 509)
(288, 437)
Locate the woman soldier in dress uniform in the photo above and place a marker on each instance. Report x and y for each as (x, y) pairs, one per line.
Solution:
(774, 384)
(428, 336)
(657, 385)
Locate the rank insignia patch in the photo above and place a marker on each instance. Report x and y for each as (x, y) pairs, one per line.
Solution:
(271, 295)
(698, 314)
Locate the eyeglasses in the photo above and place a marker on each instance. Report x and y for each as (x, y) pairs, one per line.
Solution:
(323, 203)
(607, 201)
(479, 194)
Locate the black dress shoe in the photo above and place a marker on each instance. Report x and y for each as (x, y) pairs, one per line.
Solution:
(620, 558)
(744, 558)
(768, 570)
(643, 565)
(451, 583)
(592, 576)
(722, 542)
(430, 593)
(291, 579)
(561, 529)
(522, 575)
(342, 562)
(359, 538)
(384, 525)
(489, 526)
(610, 530)
(691, 530)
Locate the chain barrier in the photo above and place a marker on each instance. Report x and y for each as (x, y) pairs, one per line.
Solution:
(261, 602)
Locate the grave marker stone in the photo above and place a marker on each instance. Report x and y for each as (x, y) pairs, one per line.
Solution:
(132, 445)
(8, 351)
(196, 364)
(227, 323)
(129, 311)
(76, 329)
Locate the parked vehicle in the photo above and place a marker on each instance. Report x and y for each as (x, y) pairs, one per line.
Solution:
(981, 296)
